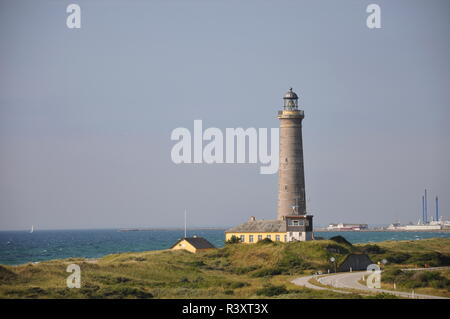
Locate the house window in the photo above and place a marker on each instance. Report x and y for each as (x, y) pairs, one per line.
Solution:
(285, 238)
(259, 237)
(269, 236)
(250, 238)
(296, 222)
(242, 238)
(277, 237)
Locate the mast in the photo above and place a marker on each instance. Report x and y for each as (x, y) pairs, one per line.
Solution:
(185, 224)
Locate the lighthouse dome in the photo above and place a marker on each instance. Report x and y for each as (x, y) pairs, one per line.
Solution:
(290, 95)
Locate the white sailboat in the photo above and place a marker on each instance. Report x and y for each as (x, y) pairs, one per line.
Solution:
(32, 229)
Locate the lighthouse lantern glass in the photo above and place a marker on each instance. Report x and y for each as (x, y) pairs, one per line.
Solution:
(290, 104)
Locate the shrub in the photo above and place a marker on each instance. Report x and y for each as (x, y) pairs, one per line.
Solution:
(336, 249)
(244, 270)
(416, 279)
(6, 275)
(383, 295)
(125, 292)
(233, 240)
(272, 290)
(373, 249)
(292, 262)
(238, 284)
(341, 240)
(266, 272)
(265, 241)
(398, 258)
(433, 259)
(196, 263)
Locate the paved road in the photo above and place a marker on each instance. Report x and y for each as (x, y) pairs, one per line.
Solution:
(426, 269)
(304, 281)
(349, 280)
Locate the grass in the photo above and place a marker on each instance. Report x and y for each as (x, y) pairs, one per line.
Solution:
(262, 270)
(412, 253)
(433, 282)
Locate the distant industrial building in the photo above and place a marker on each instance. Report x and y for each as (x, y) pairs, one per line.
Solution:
(440, 225)
(424, 224)
(343, 227)
(293, 223)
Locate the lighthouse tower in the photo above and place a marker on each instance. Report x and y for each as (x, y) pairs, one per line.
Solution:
(292, 223)
(291, 180)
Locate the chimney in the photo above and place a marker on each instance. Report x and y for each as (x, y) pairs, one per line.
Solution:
(252, 219)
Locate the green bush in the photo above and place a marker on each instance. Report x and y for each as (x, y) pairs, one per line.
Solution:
(341, 240)
(432, 259)
(373, 249)
(398, 258)
(265, 241)
(238, 284)
(243, 270)
(271, 290)
(336, 249)
(125, 292)
(292, 262)
(416, 279)
(266, 272)
(195, 263)
(6, 275)
(383, 295)
(233, 240)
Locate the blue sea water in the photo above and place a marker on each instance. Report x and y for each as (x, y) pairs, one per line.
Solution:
(18, 247)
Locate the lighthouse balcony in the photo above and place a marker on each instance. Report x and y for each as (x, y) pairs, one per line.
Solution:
(291, 114)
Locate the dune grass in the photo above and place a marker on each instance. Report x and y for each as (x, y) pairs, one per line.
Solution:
(262, 270)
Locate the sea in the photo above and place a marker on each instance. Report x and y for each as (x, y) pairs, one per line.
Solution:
(19, 247)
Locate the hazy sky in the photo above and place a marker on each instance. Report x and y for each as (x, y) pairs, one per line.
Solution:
(86, 115)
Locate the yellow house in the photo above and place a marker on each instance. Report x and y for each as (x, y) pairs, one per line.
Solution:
(290, 228)
(192, 244)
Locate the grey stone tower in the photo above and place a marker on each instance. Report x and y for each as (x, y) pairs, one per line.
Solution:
(291, 178)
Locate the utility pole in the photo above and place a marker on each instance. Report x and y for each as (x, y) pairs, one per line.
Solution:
(185, 224)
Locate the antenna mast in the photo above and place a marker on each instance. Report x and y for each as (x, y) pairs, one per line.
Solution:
(185, 223)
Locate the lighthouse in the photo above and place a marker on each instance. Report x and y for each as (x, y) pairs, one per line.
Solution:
(292, 223)
(291, 178)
